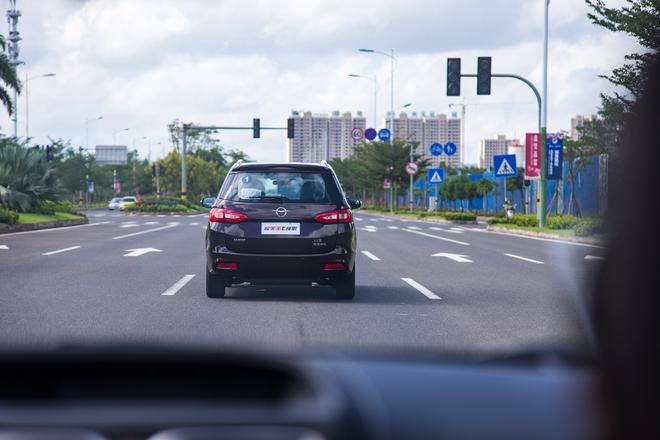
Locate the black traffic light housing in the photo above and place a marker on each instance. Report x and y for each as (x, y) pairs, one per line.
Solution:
(50, 154)
(453, 77)
(483, 75)
(153, 170)
(161, 170)
(290, 133)
(256, 128)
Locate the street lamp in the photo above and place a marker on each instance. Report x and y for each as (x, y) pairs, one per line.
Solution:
(98, 118)
(27, 101)
(114, 134)
(392, 59)
(354, 75)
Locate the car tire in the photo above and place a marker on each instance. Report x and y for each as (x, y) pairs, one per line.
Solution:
(215, 286)
(346, 286)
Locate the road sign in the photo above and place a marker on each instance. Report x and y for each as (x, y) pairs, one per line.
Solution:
(357, 134)
(370, 134)
(90, 187)
(384, 135)
(505, 165)
(450, 148)
(533, 156)
(412, 168)
(436, 176)
(386, 184)
(436, 149)
(555, 143)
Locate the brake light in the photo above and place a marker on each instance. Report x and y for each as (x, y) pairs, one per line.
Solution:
(341, 216)
(219, 215)
(334, 266)
(227, 266)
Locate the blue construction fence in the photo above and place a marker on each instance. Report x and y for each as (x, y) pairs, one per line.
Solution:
(591, 186)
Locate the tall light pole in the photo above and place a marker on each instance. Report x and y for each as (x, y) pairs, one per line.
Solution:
(374, 79)
(114, 134)
(98, 118)
(27, 101)
(392, 59)
(13, 52)
(542, 216)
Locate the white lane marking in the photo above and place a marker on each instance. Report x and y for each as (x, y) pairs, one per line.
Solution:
(387, 220)
(171, 225)
(370, 255)
(192, 216)
(151, 223)
(358, 219)
(423, 290)
(129, 225)
(456, 257)
(374, 219)
(116, 215)
(53, 229)
(369, 229)
(4, 246)
(437, 237)
(587, 257)
(61, 250)
(524, 259)
(160, 215)
(178, 285)
(140, 251)
(416, 228)
(435, 228)
(392, 227)
(194, 224)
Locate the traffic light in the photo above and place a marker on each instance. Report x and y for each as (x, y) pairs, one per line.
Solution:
(256, 128)
(49, 153)
(453, 77)
(290, 128)
(153, 170)
(483, 75)
(161, 170)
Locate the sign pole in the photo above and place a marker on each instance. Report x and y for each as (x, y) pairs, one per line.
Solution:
(411, 179)
(542, 215)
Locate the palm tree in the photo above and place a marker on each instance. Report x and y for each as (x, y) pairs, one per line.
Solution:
(8, 78)
(26, 177)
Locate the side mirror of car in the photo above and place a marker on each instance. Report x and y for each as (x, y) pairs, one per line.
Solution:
(207, 202)
(354, 203)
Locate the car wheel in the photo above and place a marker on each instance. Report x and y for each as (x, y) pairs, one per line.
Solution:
(215, 286)
(346, 286)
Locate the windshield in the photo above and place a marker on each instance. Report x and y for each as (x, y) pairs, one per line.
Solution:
(306, 187)
(420, 198)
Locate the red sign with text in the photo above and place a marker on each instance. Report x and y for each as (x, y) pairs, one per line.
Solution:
(533, 156)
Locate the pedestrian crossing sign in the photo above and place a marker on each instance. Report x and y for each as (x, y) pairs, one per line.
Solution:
(505, 165)
(436, 176)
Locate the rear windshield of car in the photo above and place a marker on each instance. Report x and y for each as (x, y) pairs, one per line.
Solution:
(128, 199)
(281, 187)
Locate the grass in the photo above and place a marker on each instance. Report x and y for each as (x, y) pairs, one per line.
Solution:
(561, 232)
(24, 218)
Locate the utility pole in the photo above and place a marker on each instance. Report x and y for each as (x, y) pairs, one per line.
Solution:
(542, 215)
(13, 52)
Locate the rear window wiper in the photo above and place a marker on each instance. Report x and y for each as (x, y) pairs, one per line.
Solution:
(269, 198)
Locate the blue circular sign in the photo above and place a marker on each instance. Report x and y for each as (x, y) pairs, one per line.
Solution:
(370, 134)
(247, 178)
(436, 149)
(450, 148)
(384, 135)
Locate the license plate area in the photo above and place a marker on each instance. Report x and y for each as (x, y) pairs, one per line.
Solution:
(280, 228)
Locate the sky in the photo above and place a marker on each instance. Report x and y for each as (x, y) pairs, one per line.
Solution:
(140, 64)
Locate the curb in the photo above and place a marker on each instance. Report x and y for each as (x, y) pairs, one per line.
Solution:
(544, 235)
(429, 219)
(43, 225)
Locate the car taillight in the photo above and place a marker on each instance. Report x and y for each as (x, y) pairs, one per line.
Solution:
(227, 266)
(341, 216)
(334, 266)
(220, 215)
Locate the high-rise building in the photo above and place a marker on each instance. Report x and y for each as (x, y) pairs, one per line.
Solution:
(428, 129)
(518, 149)
(499, 145)
(320, 137)
(578, 121)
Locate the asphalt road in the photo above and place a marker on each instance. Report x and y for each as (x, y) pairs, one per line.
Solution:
(489, 291)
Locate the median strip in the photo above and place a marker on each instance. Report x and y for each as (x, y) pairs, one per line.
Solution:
(423, 290)
(178, 285)
(61, 250)
(145, 232)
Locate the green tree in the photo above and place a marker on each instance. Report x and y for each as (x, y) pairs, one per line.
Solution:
(8, 78)
(517, 183)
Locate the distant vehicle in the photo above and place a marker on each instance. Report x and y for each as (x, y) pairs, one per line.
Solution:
(286, 223)
(114, 203)
(126, 202)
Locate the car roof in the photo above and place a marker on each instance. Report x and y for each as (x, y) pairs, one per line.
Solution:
(281, 166)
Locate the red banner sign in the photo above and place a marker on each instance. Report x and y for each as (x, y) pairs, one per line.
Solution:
(533, 156)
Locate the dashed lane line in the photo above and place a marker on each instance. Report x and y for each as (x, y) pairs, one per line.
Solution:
(171, 225)
(178, 285)
(437, 237)
(371, 256)
(61, 250)
(524, 259)
(423, 290)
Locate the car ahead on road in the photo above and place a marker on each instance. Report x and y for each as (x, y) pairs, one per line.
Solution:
(114, 203)
(126, 202)
(287, 223)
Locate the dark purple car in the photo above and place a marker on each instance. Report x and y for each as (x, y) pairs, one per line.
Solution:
(287, 223)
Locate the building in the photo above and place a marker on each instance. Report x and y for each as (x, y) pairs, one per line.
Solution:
(428, 129)
(320, 137)
(500, 145)
(578, 121)
(517, 149)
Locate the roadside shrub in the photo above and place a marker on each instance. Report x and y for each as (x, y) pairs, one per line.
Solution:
(464, 216)
(45, 207)
(562, 221)
(8, 216)
(147, 207)
(588, 226)
(525, 220)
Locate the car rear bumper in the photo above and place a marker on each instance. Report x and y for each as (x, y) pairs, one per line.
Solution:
(280, 267)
